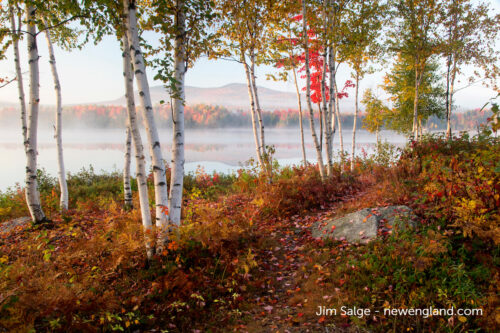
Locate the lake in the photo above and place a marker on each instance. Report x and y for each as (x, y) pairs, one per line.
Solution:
(221, 150)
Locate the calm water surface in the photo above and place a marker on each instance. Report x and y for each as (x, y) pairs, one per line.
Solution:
(221, 150)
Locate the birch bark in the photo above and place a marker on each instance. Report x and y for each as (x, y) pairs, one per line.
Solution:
(415, 103)
(339, 124)
(127, 189)
(326, 118)
(333, 98)
(32, 194)
(159, 172)
(301, 125)
(19, 75)
(177, 180)
(253, 112)
(356, 111)
(63, 185)
(450, 102)
(140, 160)
(257, 105)
(308, 94)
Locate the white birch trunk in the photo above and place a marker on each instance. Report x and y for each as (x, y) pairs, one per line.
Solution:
(331, 102)
(356, 111)
(253, 112)
(257, 107)
(326, 119)
(308, 94)
(32, 194)
(177, 179)
(415, 103)
(140, 159)
(127, 189)
(19, 75)
(339, 124)
(450, 103)
(301, 125)
(63, 185)
(159, 172)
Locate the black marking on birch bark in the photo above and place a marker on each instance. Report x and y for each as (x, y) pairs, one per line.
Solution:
(177, 184)
(157, 168)
(162, 184)
(141, 93)
(156, 144)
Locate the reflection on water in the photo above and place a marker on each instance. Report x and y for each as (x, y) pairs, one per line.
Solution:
(221, 150)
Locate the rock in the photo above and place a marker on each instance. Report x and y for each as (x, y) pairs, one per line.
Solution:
(362, 226)
(396, 216)
(11, 225)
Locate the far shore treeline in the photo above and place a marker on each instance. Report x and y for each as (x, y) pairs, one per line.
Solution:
(213, 116)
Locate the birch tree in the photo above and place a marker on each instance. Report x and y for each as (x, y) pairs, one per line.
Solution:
(16, 36)
(308, 91)
(127, 189)
(134, 133)
(244, 32)
(159, 171)
(414, 35)
(32, 193)
(361, 48)
(469, 36)
(184, 29)
(285, 44)
(58, 126)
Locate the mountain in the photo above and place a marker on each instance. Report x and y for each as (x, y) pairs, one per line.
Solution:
(233, 96)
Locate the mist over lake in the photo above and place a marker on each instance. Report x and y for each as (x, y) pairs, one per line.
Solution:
(222, 150)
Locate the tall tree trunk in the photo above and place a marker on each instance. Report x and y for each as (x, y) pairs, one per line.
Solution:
(356, 111)
(450, 101)
(140, 159)
(63, 185)
(32, 194)
(127, 189)
(308, 94)
(377, 138)
(19, 75)
(256, 134)
(339, 124)
(301, 125)
(257, 106)
(415, 103)
(448, 111)
(159, 172)
(320, 118)
(177, 179)
(326, 118)
(331, 102)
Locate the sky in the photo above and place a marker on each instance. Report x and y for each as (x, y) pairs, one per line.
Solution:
(94, 74)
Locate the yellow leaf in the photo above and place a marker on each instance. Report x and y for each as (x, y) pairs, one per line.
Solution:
(462, 319)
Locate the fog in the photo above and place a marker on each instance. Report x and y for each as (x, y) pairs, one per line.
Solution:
(221, 150)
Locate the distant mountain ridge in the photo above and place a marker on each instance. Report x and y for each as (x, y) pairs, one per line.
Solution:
(233, 96)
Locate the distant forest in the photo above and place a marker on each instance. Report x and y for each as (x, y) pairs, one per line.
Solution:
(210, 116)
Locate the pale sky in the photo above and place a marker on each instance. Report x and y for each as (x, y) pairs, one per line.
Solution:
(94, 74)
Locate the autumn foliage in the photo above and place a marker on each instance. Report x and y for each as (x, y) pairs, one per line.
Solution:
(243, 236)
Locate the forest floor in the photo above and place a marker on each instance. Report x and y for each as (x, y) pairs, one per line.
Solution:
(281, 306)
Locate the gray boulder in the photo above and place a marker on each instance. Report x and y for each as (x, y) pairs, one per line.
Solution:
(363, 225)
(9, 226)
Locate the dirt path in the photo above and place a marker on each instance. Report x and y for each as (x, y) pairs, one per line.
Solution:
(279, 306)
